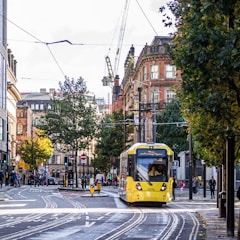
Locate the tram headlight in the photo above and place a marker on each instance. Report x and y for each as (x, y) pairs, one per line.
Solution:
(138, 187)
(164, 187)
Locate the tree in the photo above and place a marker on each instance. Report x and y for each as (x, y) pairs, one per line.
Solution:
(206, 49)
(38, 150)
(71, 121)
(175, 136)
(111, 139)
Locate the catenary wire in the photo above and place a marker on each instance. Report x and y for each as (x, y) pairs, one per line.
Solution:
(46, 44)
(147, 18)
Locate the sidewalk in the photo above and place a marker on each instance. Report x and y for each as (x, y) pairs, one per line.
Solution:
(216, 227)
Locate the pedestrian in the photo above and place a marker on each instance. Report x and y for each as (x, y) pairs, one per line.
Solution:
(238, 193)
(85, 182)
(18, 179)
(1, 178)
(6, 178)
(212, 185)
(182, 185)
(31, 179)
(82, 181)
(173, 188)
(15, 179)
(195, 184)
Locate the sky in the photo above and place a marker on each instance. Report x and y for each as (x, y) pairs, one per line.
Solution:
(93, 29)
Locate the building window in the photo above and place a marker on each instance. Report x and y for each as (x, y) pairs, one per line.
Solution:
(32, 106)
(144, 73)
(170, 96)
(154, 49)
(19, 128)
(170, 71)
(154, 72)
(37, 106)
(155, 96)
(41, 107)
(1, 129)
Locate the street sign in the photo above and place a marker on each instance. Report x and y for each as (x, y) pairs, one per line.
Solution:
(83, 158)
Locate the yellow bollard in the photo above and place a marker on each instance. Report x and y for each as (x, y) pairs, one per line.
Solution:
(66, 183)
(92, 189)
(99, 186)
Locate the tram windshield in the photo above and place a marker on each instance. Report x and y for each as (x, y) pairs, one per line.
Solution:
(151, 169)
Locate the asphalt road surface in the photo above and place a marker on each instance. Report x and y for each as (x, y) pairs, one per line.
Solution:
(40, 213)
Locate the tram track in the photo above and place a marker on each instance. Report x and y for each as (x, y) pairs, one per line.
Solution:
(80, 217)
(137, 219)
(31, 217)
(174, 228)
(189, 227)
(49, 204)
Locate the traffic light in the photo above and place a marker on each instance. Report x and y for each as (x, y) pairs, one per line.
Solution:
(66, 161)
(4, 156)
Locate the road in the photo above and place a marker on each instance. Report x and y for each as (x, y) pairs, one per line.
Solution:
(40, 213)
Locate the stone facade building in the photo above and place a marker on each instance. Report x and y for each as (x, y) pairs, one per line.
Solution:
(147, 86)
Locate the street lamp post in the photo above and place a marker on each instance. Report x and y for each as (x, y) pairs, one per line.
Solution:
(204, 178)
(190, 165)
(153, 119)
(139, 114)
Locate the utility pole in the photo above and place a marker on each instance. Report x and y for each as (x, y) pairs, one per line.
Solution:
(230, 184)
(139, 115)
(153, 119)
(190, 165)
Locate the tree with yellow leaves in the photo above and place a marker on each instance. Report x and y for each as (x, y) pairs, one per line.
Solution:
(37, 150)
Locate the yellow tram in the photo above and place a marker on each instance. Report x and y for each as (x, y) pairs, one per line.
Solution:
(145, 173)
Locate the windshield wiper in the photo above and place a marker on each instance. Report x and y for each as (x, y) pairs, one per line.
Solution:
(146, 180)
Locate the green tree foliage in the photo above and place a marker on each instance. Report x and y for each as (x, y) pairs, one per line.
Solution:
(38, 150)
(174, 135)
(111, 139)
(206, 49)
(71, 121)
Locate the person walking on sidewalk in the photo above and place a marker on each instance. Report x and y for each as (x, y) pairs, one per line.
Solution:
(195, 184)
(212, 185)
(173, 188)
(1, 178)
(182, 185)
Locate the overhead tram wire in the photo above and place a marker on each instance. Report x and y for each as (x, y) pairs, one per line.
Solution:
(147, 18)
(79, 44)
(40, 41)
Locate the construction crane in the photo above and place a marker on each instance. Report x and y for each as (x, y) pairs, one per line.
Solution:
(108, 80)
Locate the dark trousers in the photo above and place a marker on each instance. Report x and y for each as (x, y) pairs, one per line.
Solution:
(212, 193)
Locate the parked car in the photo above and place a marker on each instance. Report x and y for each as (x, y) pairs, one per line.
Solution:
(52, 181)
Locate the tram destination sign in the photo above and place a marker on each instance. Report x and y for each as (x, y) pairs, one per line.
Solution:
(151, 153)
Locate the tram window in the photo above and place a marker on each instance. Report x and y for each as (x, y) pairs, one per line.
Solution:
(238, 172)
(144, 171)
